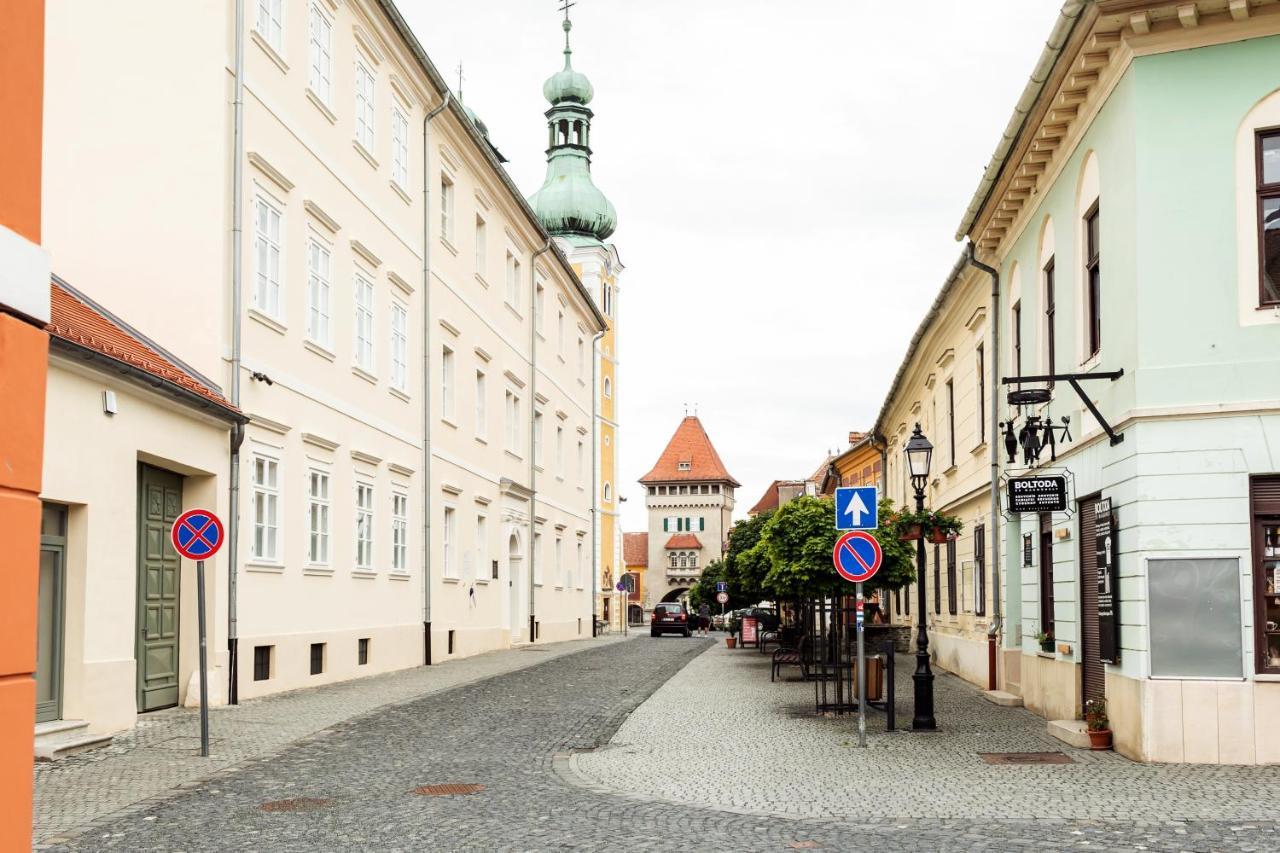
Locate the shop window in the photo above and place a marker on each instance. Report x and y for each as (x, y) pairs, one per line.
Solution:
(1195, 617)
(1265, 500)
(951, 577)
(1046, 573)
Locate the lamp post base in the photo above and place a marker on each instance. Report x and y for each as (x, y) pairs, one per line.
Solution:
(923, 678)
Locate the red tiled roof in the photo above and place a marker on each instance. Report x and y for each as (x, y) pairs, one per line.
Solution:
(635, 549)
(73, 318)
(683, 541)
(691, 445)
(768, 501)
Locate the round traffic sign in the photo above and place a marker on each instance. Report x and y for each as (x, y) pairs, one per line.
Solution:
(857, 556)
(620, 586)
(722, 597)
(197, 534)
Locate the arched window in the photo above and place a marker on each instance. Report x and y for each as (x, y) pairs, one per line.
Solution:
(608, 493)
(1257, 205)
(608, 387)
(693, 561)
(684, 561)
(675, 560)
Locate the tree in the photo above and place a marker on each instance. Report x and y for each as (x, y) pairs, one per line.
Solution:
(745, 563)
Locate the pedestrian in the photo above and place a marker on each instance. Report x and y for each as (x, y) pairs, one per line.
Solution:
(704, 618)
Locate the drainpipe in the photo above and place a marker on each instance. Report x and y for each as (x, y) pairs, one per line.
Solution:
(426, 376)
(237, 432)
(994, 631)
(533, 426)
(595, 480)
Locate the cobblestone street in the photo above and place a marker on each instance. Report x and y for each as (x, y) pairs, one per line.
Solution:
(716, 726)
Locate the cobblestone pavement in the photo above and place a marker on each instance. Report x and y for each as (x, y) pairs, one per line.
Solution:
(162, 751)
(514, 733)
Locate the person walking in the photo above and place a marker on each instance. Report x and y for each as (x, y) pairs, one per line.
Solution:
(704, 618)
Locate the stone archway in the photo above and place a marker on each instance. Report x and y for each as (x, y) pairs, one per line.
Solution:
(515, 578)
(680, 593)
(635, 614)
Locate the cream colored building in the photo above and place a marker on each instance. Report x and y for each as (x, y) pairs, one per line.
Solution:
(400, 388)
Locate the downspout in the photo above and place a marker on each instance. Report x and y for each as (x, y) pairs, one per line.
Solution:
(533, 427)
(595, 481)
(992, 437)
(426, 376)
(237, 432)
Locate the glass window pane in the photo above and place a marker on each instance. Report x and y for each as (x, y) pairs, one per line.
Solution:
(1271, 250)
(1204, 593)
(1271, 159)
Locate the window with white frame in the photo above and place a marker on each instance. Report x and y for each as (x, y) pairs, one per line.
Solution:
(482, 546)
(364, 106)
(364, 322)
(482, 405)
(449, 533)
(399, 532)
(608, 493)
(560, 567)
(399, 346)
(559, 451)
(513, 281)
(537, 438)
(320, 78)
(578, 573)
(364, 526)
(539, 303)
(513, 422)
(537, 558)
(482, 248)
(399, 147)
(266, 509)
(446, 208)
(318, 518)
(446, 384)
(266, 295)
(319, 267)
(608, 387)
(582, 358)
(270, 23)
(608, 300)
(582, 463)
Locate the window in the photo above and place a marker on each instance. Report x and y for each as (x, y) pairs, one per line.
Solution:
(364, 527)
(399, 347)
(560, 568)
(317, 658)
(1093, 271)
(362, 651)
(539, 303)
(449, 533)
(980, 570)
(481, 247)
(318, 278)
(608, 493)
(578, 574)
(513, 422)
(982, 394)
(446, 208)
(1046, 573)
(482, 406)
(1264, 499)
(400, 532)
(675, 560)
(560, 332)
(270, 23)
(513, 281)
(937, 581)
(952, 586)
(1016, 322)
(318, 518)
(684, 560)
(399, 147)
(582, 463)
(951, 422)
(1050, 320)
(266, 295)
(560, 451)
(607, 291)
(582, 359)
(537, 438)
(320, 78)
(262, 662)
(266, 509)
(537, 558)
(446, 384)
(364, 107)
(364, 323)
(482, 546)
(608, 388)
(1268, 157)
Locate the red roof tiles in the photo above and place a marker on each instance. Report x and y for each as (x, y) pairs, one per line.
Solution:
(635, 549)
(689, 456)
(683, 542)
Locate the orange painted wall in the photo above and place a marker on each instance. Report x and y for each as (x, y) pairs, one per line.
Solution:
(24, 352)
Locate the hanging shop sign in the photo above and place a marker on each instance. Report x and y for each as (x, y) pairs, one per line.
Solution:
(1108, 582)
(1037, 494)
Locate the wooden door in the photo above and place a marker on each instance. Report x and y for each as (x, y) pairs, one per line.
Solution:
(49, 615)
(1093, 673)
(159, 575)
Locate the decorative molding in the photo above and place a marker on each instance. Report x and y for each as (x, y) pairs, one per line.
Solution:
(515, 380)
(450, 159)
(582, 430)
(562, 414)
(483, 500)
(975, 320)
(450, 328)
(319, 441)
(320, 216)
(366, 41)
(542, 399)
(483, 200)
(405, 93)
(367, 458)
(260, 163)
(365, 252)
(948, 356)
(268, 424)
(397, 468)
(450, 489)
(931, 380)
(483, 355)
(399, 282)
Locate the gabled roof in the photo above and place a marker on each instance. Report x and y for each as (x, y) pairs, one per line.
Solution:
(689, 456)
(635, 549)
(89, 330)
(769, 500)
(683, 542)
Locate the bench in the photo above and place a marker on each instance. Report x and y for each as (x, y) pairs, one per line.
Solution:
(789, 656)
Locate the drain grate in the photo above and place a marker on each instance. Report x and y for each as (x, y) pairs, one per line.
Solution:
(450, 789)
(1026, 758)
(297, 804)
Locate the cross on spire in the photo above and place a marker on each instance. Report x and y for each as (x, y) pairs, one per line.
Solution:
(461, 77)
(568, 25)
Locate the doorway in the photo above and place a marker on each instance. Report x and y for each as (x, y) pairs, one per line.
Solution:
(1093, 672)
(159, 578)
(50, 615)
(514, 563)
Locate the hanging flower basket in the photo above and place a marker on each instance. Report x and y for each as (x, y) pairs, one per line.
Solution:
(911, 532)
(939, 535)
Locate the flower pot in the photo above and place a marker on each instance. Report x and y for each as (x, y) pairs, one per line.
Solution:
(911, 532)
(939, 536)
(1100, 739)
(731, 642)
(1046, 646)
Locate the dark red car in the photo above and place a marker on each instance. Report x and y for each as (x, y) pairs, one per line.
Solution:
(669, 618)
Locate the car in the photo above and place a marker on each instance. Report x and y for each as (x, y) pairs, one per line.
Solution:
(766, 618)
(669, 617)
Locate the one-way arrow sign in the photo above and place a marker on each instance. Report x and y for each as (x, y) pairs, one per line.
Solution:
(856, 508)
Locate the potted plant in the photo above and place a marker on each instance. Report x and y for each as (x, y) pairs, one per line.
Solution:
(943, 527)
(910, 526)
(1097, 724)
(732, 625)
(1045, 639)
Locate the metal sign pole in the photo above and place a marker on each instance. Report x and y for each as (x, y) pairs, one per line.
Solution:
(204, 664)
(862, 677)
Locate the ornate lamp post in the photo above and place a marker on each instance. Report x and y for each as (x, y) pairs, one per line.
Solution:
(919, 454)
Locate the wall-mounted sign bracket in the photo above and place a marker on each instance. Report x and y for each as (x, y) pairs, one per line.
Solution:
(1074, 380)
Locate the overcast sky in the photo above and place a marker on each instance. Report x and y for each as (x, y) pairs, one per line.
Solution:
(788, 178)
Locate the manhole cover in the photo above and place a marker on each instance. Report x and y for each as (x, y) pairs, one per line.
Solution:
(1026, 758)
(448, 790)
(297, 804)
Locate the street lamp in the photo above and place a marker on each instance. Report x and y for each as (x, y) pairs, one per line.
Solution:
(919, 454)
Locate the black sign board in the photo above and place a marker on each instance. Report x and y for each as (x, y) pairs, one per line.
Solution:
(1027, 548)
(1038, 494)
(1108, 582)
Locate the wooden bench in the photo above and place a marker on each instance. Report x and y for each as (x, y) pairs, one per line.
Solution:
(789, 656)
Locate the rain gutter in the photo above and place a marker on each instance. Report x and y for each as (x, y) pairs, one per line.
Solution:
(237, 297)
(533, 429)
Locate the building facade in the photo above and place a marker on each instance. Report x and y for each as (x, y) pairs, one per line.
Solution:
(689, 495)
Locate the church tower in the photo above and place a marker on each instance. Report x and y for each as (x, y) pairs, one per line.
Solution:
(577, 214)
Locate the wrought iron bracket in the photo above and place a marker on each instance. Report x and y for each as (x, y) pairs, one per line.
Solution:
(1074, 380)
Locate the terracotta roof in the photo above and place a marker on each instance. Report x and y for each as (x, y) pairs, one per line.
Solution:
(77, 319)
(769, 500)
(635, 549)
(691, 447)
(682, 541)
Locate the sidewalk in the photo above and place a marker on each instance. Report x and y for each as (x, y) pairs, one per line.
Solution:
(162, 752)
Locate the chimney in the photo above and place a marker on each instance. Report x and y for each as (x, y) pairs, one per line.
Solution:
(855, 437)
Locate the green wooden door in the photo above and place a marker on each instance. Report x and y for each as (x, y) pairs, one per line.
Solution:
(49, 615)
(159, 572)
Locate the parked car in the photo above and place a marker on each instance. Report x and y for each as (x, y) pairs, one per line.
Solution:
(767, 619)
(669, 618)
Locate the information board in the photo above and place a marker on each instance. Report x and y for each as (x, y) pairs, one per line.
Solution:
(1037, 494)
(1108, 582)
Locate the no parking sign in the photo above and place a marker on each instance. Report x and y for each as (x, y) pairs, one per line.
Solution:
(857, 556)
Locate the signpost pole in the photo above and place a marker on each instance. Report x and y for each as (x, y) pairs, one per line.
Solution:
(862, 676)
(204, 664)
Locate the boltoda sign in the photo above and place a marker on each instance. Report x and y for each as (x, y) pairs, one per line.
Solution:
(1038, 494)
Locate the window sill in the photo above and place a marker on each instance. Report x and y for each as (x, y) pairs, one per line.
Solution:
(1266, 676)
(270, 51)
(364, 152)
(560, 358)
(451, 580)
(397, 575)
(514, 310)
(265, 568)
(402, 192)
(449, 422)
(396, 392)
(949, 470)
(318, 571)
(482, 581)
(320, 349)
(321, 106)
(267, 320)
(1091, 362)
(365, 574)
(482, 280)
(364, 374)
(1046, 655)
(514, 455)
(444, 241)
(482, 440)
(980, 447)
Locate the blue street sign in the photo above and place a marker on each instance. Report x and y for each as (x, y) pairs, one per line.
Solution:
(722, 586)
(197, 534)
(857, 556)
(856, 508)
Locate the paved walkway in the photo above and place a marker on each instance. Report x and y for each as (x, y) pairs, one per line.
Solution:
(162, 752)
(750, 746)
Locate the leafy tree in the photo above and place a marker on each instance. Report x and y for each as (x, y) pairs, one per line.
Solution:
(745, 563)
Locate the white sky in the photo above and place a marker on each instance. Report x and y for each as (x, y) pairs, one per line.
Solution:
(788, 177)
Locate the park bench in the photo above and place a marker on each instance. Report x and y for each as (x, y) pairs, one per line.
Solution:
(790, 656)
